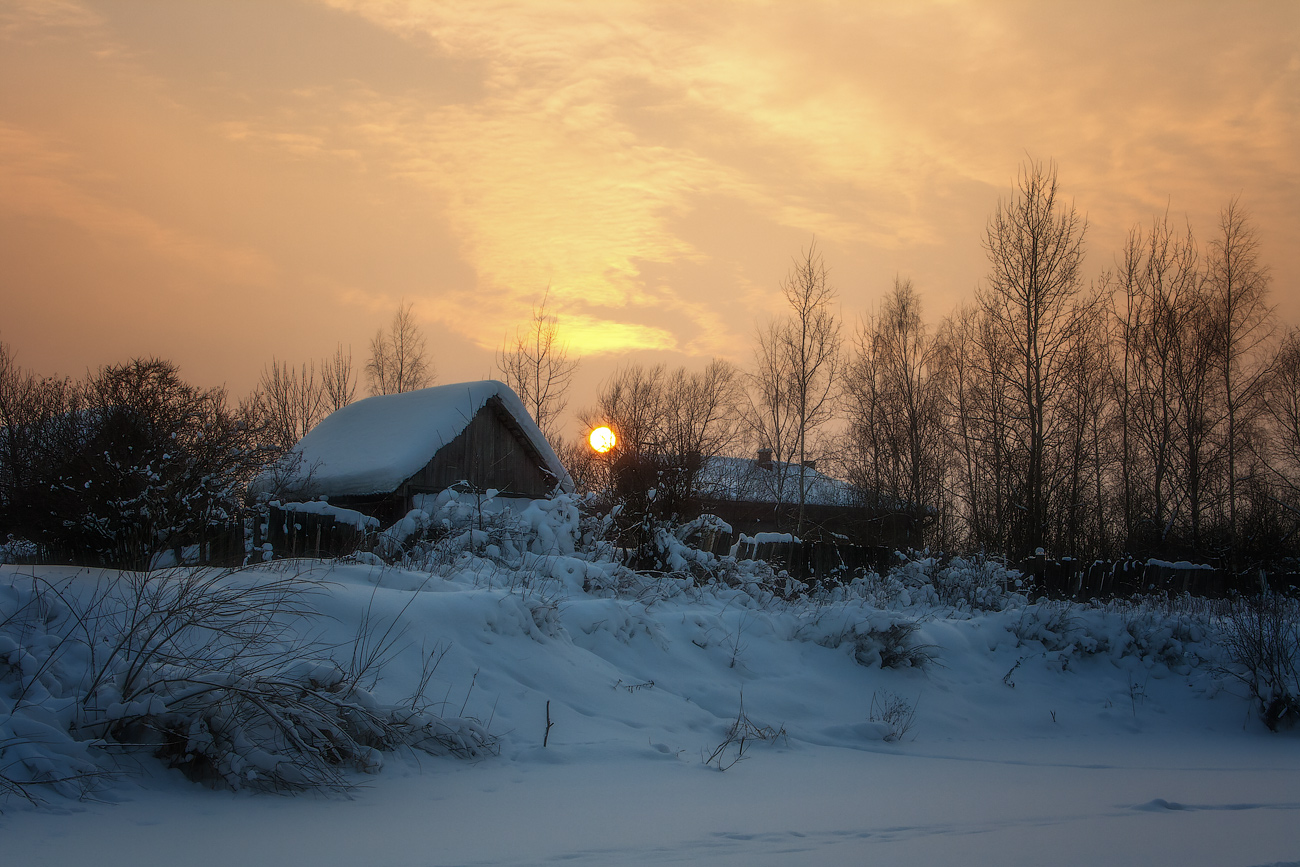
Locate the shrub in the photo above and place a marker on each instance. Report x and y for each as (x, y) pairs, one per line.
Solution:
(978, 584)
(877, 637)
(1261, 635)
(208, 671)
(740, 736)
(132, 461)
(892, 711)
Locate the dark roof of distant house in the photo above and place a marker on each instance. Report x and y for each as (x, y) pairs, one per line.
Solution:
(751, 481)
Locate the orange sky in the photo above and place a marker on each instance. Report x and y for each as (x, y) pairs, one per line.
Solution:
(220, 182)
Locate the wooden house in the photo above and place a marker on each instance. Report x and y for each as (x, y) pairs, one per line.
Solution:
(378, 454)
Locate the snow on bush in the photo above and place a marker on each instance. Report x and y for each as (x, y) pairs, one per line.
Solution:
(444, 526)
(1262, 638)
(14, 550)
(39, 698)
(978, 584)
(875, 637)
(206, 670)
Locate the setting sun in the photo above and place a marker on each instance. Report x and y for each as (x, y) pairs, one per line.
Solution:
(602, 439)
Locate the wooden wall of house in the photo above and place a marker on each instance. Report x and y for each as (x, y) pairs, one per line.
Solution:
(487, 454)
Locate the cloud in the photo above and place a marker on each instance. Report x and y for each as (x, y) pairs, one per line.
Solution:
(595, 132)
(42, 180)
(590, 134)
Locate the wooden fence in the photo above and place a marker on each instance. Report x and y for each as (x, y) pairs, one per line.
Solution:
(821, 563)
(813, 562)
(1110, 579)
(303, 534)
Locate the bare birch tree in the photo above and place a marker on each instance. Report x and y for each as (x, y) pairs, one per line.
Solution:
(1237, 295)
(798, 372)
(288, 402)
(1158, 318)
(398, 360)
(1281, 403)
(669, 424)
(537, 366)
(892, 395)
(1030, 299)
(770, 417)
(338, 380)
(977, 407)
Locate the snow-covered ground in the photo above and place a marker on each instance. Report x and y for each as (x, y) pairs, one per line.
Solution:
(1041, 735)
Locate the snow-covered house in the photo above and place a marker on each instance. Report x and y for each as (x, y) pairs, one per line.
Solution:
(761, 495)
(378, 454)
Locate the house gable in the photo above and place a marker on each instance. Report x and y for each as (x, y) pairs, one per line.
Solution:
(491, 452)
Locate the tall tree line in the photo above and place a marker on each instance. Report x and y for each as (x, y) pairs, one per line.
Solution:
(1149, 412)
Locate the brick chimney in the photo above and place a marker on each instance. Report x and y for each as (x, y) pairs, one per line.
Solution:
(764, 459)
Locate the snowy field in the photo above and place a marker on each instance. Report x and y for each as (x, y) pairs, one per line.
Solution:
(1040, 734)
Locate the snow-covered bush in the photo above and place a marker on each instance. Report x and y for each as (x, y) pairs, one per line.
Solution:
(894, 713)
(966, 584)
(1051, 625)
(394, 539)
(877, 638)
(130, 462)
(207, 670)
(978, 584)
(443, 527)
(39, 698)
(1262, 637)
(1143, 629)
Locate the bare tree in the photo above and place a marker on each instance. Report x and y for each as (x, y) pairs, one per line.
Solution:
(700, 420)
(398, 361)
(338, 380)
(1198, 411)
(770, 417)
(631, 402)
(1238, 289)
(893, 396)
(798, 371)
(288, 402)
(18, 403)
(1282, 409)
(539, 369)
(1031, 300)
(1162, 345)
(32, 410)
(1081, 497)
(977, 407)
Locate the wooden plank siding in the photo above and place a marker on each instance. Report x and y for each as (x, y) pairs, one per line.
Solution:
(491, 452)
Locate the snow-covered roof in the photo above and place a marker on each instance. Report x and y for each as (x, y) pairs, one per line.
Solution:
(745, 480)
(374, 445)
